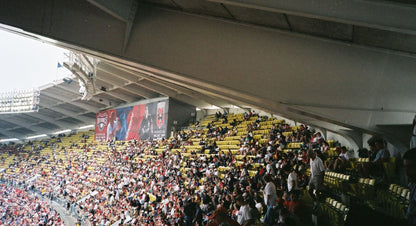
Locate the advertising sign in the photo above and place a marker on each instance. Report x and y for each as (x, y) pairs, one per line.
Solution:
(142, 122)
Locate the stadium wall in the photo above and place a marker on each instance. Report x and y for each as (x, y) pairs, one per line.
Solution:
(180, 115)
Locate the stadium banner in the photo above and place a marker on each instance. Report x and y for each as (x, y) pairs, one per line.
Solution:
(141, 121)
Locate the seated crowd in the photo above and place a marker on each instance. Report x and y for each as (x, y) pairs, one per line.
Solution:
(17, 207)
(162, 182)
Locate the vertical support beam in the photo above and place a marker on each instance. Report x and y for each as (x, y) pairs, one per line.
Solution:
(324, 132)
(122, 10)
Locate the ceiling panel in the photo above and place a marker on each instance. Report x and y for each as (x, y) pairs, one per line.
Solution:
(124, 92)
(47, 101)
(72, 84)
(106, 98)
(410, 2)
(169, 3)
(49, 126)
(321, 28)
(90, 103)
(142, 90)
(53, 92)
(258, 17)
(203, 7)
(27, 118)
(4, 124)
(99, 83)
(51, 112)
(110, 78)
(70, 107)
(71, 120)
(385, 39)
(23, 131)
(90, 115)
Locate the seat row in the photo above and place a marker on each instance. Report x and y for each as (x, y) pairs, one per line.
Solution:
(333, 212)
(394, 201)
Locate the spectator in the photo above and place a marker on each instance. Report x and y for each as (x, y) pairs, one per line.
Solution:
(292, 180)
(270, 197)
(378, 155)
(220, 217)
(377, 147)
(244, 213)
(363, 153)
(413, 137)
(190, 211)
(409, 162)
(317, 176)
(342, 160)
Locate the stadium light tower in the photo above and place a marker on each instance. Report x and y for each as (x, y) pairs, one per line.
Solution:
(19, 101)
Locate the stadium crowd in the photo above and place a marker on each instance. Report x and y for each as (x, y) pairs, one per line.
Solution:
(18, 207)
(131, 183)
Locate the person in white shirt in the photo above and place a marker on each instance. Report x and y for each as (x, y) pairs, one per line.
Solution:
(341, 161)
(318, 136)
(269, 169)
(279, 165)
(317, 175)
(243, 214)
(270, 194)
(292, 181)
(270, 197)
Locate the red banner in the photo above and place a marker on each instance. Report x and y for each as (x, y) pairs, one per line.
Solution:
(137, 122)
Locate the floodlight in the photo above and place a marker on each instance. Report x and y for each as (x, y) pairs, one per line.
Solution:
(19, 101)
(8, 140)
(37, 136)
(85, 127)
(63, 131)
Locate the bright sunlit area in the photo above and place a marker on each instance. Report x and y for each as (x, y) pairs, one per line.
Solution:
(26, 63)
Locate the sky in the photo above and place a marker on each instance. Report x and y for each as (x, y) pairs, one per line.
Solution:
(27, 63)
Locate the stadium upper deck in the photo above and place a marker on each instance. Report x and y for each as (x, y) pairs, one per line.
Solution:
(327, 64)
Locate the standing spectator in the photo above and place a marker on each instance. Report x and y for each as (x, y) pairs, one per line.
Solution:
(270, 198)
(292, 180)
(243, 214)
(317, 176)
(413, 138)
(189, 211)
(409, 162)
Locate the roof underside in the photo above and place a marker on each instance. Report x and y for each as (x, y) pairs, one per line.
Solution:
(332, 51)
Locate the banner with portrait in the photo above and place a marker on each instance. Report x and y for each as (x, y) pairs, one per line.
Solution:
(141, 121)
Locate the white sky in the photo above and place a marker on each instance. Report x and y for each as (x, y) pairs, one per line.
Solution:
(26, 63)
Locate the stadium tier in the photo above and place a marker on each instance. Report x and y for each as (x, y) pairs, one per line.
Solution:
(217, 162)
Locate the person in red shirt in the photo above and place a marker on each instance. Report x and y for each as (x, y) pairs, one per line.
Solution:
(220, 216)
(261, 171)
(297, 207)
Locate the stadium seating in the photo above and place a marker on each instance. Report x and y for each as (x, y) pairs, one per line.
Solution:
(392, 201)
(333, 212)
